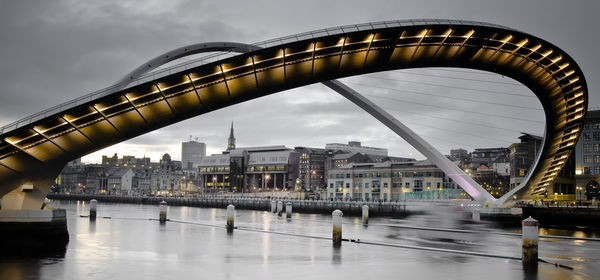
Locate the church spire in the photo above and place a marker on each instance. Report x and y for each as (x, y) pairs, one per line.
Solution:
(231, 140)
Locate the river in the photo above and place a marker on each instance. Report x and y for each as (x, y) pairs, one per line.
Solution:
(126, 242)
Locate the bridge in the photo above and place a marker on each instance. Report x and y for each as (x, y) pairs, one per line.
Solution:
(33, 150)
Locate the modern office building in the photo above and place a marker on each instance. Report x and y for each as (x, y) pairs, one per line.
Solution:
(356, 147)
(587, 158)
(252, 169)
(191, 153)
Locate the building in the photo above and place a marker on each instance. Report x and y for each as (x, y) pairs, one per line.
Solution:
(356, 147)
(231, 139)
(522, 155)
(311, 169)
(388, 180)
(459, 155)
(587, 158)
(167, 178)
(126, 161)
(119, 180)
(488, 156)
(191, 153)
(252, 169)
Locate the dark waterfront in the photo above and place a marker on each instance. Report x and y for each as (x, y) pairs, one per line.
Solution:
(195, 244)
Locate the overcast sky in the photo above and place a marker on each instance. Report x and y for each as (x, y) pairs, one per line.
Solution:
(55, 51)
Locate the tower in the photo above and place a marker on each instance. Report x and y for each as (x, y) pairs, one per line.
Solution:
(231, 140)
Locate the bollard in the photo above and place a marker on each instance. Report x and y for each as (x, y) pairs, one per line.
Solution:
(365, 215)
(93, 209)
(162, 216)
(230, 217)
(273, 206)
(475, 216)
(288, 210)
(279, 208)
(337, 227)
(530, 242)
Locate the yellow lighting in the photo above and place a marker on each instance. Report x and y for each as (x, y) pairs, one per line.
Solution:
(536, 48)
(522, 43)
(423, 33)
(557, 59)
(578, 172)
(38, 131)
(468, 35)
(574, 80)
(507, 39)
(547, 53)
(563, 66)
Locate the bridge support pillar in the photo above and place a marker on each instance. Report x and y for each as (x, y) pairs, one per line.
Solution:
(28, 196)
(33, 232)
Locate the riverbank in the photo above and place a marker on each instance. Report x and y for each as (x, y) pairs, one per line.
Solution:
(548, 216)
(352, 208)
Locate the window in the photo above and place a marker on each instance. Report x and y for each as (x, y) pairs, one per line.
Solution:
(596, 158)
(586, 136)
(597, 125)
(596, 135)
(347, 175)
(587, 148)
(586, 171)
(407, 185)
(347, 185)
(587, 159)
(428, 184)
(385, 185)
(596, 170)
(596, 148)
(366, 186)
(331, 185)
(418, 186)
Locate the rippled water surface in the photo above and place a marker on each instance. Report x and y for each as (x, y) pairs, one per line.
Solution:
(124, 243)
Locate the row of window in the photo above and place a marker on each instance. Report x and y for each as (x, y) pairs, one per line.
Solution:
(214, 169)
(418, 185)
(589, 148)
(591, 136)
(591, 170)
(266, 168)
(590, 125)
(588, 158)
(386, 175)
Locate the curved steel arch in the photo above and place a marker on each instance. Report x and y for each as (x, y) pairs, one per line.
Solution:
(296, 61)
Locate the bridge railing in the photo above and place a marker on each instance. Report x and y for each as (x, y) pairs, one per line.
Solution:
(159, 73)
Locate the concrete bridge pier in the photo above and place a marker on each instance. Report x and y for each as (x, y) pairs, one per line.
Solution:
(33, 232)
(27, 225)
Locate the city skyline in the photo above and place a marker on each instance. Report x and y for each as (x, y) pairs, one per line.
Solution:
(320, 116)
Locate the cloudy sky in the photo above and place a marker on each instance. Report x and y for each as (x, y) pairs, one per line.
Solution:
(55, 51)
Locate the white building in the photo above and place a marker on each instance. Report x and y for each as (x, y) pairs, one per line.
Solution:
(356, 147)
(120, 180)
